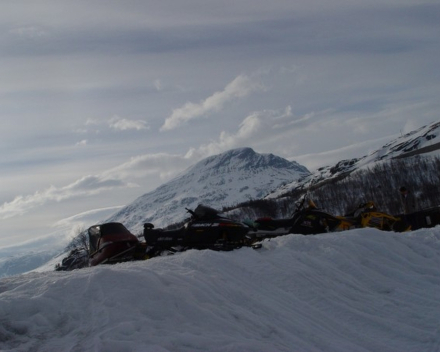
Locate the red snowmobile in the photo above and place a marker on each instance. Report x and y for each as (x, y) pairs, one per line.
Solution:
(112, 243)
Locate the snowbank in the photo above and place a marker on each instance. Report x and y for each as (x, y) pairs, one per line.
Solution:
(361, 290)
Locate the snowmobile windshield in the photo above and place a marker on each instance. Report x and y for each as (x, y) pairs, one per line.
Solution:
(94, 234)
(109, 229)
(203, 211)
(112, 228)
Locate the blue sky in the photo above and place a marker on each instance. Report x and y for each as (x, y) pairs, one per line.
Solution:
(103, 101)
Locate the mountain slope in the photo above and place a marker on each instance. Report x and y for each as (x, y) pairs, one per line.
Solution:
(221, 180)
(361, 290)
(423, 140)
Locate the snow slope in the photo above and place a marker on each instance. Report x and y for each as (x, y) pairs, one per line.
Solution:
(360, 290)
(425, 140)
(221, 180)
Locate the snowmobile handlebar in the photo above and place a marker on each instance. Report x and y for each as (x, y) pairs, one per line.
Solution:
(191, 212)
(300, 204)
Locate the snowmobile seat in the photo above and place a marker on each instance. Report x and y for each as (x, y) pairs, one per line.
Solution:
(162, 237)
(273, 223)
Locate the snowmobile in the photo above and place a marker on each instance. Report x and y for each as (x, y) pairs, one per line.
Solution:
(306, 220)
(424, 218)
(367, 215)
(76, 259)
(112, 243)
(205, 229)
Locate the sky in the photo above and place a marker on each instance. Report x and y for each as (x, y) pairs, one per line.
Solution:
(103, 101)
(360, 290)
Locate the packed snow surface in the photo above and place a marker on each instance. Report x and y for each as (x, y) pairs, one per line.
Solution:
(360, 290)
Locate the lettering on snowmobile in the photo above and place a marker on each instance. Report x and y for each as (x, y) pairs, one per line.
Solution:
(205, 225)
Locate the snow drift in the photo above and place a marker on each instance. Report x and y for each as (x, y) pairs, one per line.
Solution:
(360, 290)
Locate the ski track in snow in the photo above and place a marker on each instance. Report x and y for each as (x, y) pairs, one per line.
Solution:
(361, 290)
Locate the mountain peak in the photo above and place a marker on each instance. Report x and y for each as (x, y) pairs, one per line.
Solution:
(220, 180)
(247, 158)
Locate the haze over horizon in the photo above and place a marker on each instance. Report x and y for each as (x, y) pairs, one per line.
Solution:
(103, 102)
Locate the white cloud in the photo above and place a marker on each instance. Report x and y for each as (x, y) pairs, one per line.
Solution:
(116, 123)
(86, 186)
(158, 85)
(87, 217)
(240, 87)
(160, 165)
(121, 124)
(92, 122)
(140, 166)
(256, 126)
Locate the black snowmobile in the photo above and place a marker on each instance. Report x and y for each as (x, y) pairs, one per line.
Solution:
(306, 220)
(205, 229)
(76, 259)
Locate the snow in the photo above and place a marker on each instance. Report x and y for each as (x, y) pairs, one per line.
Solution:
(360, 290)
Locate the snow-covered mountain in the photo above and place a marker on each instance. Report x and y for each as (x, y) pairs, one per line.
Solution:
(421, 141)
(31, 254)
(218, 181)
(236, 176)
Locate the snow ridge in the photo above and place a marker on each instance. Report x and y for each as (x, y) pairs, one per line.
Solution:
(423, 140)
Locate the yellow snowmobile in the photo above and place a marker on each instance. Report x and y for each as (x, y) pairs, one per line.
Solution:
(366, 215)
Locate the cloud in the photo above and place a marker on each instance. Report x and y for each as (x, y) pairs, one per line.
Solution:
(92, 122)
(28, 32)
(117, 123)
(256, 126)
(158, 85)
(240, 87)
(355, 150)
(161, 165)
(87, 217)
(121, 124)
(86, 186)
(276, 130)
